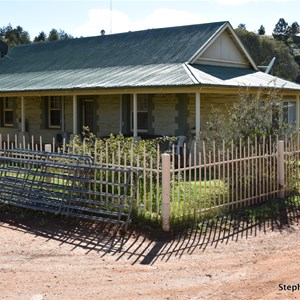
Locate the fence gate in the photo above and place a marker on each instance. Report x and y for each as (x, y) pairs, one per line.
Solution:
(67, 184)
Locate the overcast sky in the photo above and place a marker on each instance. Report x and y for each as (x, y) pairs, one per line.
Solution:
(88, 18)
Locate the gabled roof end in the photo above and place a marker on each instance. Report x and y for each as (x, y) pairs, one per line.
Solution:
(225, 26)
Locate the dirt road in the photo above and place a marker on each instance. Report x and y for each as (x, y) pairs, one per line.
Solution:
(58, 259)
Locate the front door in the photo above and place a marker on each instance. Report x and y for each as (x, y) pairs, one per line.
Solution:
(88, 114)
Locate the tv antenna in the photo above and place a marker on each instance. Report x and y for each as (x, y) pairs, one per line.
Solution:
(110, 17)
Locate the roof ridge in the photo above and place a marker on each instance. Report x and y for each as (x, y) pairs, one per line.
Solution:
(173, 28)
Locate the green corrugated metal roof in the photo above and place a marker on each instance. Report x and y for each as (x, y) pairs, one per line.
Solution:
(147, 47)
(96, 78)
(152, 57)
(148, 58)
(238, 77)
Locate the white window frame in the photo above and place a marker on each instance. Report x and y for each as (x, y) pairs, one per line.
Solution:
(290, 105)
(142, 107)
(8, 106)
(57, 108)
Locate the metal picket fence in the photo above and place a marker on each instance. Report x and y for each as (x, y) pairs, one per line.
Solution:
(179, 187)
(67, 184)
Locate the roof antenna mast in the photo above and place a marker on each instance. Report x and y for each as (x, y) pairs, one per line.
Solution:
(110, 16)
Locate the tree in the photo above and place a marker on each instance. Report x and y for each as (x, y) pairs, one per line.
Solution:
(25, 38)
(53, 35)
(251, 41)
(242, 26)
(281, 29)
(263, 48)
(41, 37)
(15, 36)
(64, 36)
(294, 29)
(284, 32)
(286, 65)
(261, 30)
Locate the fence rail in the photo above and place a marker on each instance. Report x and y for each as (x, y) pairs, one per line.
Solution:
(183, 187)
(67, 184)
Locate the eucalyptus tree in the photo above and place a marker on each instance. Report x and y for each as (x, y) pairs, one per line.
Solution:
(263, 48)
(14, 36)
(261, 30)
(41, 37)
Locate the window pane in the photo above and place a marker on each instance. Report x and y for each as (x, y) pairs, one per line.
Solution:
(142, 120)
(142, 104)
(54, 106)
(285, 112)
(54, 118)
(292, 112)
(8, 103)
(8, 117)
(8, 111)
(142, 113)
(55, 103)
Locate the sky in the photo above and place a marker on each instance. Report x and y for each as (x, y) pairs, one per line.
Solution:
(88, 18)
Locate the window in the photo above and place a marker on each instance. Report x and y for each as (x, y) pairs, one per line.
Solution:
(8, 112)
(289, 112)
(54, 112)
(142, 113)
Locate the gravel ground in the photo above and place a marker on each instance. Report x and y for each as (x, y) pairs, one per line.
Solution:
(55, 258)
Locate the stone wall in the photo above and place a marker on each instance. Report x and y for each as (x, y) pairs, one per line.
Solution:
(164, 114)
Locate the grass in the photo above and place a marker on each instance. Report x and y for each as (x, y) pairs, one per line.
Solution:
(271, 209)
(197, 201)
(189, 200)
(278, 212)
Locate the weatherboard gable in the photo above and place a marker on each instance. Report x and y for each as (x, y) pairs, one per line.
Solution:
(224, 49)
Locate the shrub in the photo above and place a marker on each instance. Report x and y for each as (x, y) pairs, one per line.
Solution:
(118, 150)
(253, 117)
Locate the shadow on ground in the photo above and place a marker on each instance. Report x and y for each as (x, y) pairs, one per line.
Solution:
(147, 246)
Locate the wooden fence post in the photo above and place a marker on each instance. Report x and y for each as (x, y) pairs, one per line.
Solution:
(48, 148)
(280, 168)
(165, 210)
